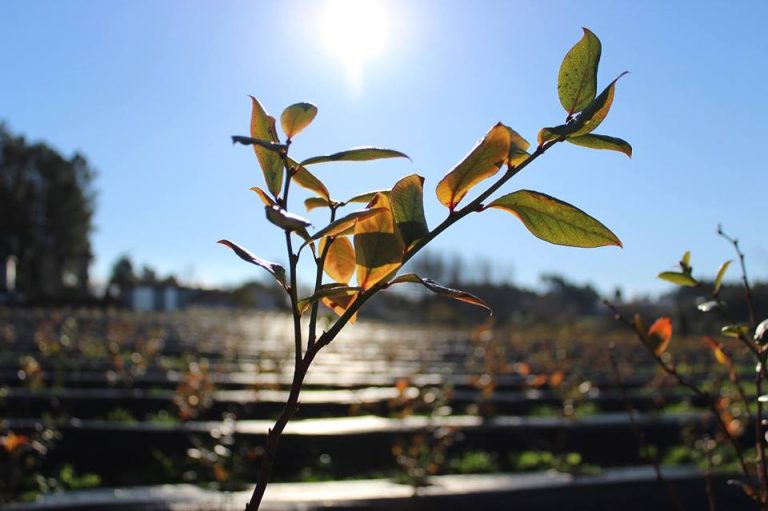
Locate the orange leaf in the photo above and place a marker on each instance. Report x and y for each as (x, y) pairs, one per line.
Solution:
(660, 334)
(717, 350)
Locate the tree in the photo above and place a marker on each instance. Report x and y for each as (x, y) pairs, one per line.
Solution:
(46, 212)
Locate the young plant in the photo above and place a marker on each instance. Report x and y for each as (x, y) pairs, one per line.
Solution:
(392, 227)
(731, 410)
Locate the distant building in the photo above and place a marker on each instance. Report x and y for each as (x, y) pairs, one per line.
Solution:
(157, 297)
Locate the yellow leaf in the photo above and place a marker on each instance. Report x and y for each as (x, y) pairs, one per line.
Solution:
(480, 164)
(266, 199)
(340, 259)
(378, 246)
(339, 304)
(263, 128)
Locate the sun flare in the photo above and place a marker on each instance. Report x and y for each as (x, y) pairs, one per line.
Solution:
(355, 32)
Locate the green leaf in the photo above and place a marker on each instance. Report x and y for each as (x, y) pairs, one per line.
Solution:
(326, 291)
(587, 121)
(266, 199)
(263, 128)
(433, 286)
(297, 117)
(378, 246)
(555, 221)
(275, 269)
(681, 279)
(284, 219)
(357, 154)
(480, 164)
(735, 330)
(264, 144)
(316, 202)
(407, 198)
(721, 276)
(591, 117)
(577, 79)
(685, 261)
(595, 141)
(341, 225)
(306, 179)
(366, 197)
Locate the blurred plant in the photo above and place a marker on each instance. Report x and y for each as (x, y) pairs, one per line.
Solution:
(730, 405)
(393, 228)
(21, 458)
(569, 462)
(194, 394)
(422, 455)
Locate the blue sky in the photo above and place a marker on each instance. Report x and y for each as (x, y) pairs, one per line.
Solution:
(151, 91)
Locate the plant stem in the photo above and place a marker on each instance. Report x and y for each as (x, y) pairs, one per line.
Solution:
(314, 346)
(452, 218)
(653, 458)
(671, 370)
(273, 436)
(318, 282)
(744, 279)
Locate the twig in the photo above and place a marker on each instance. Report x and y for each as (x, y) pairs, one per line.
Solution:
(652, 457)
(671, 370)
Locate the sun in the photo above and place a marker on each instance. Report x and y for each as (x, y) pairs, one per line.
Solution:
(355, 32)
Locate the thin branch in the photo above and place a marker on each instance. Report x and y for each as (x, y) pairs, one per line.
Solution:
(744, 279)
(318, 282)
(652, 457)
(454, 217)
(671, 370)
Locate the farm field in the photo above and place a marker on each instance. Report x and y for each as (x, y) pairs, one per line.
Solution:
(94, 399)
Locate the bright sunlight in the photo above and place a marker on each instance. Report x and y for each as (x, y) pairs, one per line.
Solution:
(355, 32)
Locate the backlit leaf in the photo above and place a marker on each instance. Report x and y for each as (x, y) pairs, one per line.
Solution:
(681, 279)
(340, 303)
(326, 291)
(306, 179)
(481, 163)
(433, 286)
(378, 246)
(266, 199)
(275, 269)
(718, 352)
(340, 259)
(721, 276)
(407, 199)
(555, 221)
(357, 154)
(660, 334)
(297, 117)
(284, 219)
(734, 330)
(595, 141)
(315, 202)
(577, 79)
(367, 197)
(518, 148)
(263, 128)
(685, 261)
(594, 114)
(585, 122)
(338, 227)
